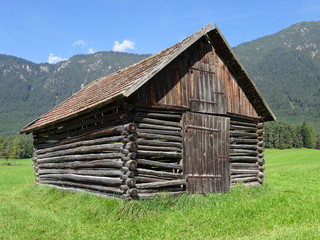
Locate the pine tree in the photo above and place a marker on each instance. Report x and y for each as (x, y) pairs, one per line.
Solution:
(297, 141)
(1, 147)
(283, 135)
(308, 135)
(15, 149)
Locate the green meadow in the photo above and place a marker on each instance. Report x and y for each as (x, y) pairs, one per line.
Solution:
(287, 206)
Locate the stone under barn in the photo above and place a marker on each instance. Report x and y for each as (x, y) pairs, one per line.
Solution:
(186, 120)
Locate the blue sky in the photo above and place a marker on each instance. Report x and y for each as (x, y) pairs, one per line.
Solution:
(51, 30)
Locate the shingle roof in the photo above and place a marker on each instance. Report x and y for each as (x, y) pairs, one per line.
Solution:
(124, 82)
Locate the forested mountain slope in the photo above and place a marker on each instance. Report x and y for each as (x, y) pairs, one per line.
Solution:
(27, 90)
(286, 68)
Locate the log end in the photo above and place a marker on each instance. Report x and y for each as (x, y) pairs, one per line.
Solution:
(261, 175)
(131, 182)
(131, 128)
(131, 165)
(133, 193)
(260, 125)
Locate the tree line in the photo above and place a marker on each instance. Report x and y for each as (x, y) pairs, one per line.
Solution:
(283, 135)
(16, 147)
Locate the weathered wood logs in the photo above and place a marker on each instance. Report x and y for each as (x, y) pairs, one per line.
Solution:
(35, 165)
(161, 184)
(159, 139)
(79, 157)
(116, 163)
(102, 153)
(80, 144)
(129, 151)
(94, 154)
(261, 160)
(246, 152)
(83, 149)
(159, 143)
(136, 154)
(159, 164)
(114, 190)
(83, 178)
(157, 122)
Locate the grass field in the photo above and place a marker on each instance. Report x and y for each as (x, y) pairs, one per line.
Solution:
(286, 207)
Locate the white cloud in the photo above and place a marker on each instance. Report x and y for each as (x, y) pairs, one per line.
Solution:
(91, 50)
(79, 42)
(122, 47)
(54, 59)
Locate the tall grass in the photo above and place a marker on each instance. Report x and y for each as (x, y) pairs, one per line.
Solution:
(286, 207)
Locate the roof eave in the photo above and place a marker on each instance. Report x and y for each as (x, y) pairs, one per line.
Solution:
(28, 130)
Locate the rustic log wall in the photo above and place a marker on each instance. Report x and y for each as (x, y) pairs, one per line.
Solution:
(246, 152)
(159, 154)
(135, 160)
(109, 155)
(95, 153)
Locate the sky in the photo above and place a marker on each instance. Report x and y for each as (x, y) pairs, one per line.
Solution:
(54, 30)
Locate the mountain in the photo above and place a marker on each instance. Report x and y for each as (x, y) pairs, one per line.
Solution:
(27, 90)
(286, 68)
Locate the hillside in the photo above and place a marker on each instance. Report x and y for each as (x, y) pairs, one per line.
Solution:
(27, 90)
(286, 68)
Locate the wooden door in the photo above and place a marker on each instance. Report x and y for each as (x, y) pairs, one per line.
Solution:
(206, 153)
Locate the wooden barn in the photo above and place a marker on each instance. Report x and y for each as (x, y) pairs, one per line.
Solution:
(186, 120)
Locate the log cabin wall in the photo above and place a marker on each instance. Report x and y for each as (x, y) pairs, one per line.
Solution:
(114, 151)
(246, 152)
(95, 152)
(159, 155)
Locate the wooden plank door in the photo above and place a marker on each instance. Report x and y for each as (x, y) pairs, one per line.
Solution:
(206, 153)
